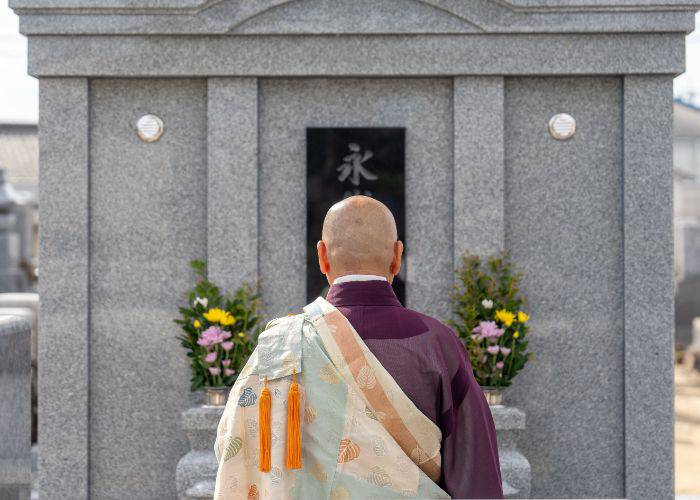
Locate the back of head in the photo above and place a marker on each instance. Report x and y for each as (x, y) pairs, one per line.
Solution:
(360, 235)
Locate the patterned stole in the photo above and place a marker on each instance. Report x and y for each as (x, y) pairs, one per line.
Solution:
(415, 433)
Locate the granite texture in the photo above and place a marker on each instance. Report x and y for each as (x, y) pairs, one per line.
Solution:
(478, 166)
(148, 219)
(564, 228)
(15, 408)
(196, 471)
(424, 107)
(356, 16)
(199, 424)
(232, 189)
(63, 288)
(649, 287)
(357, 55)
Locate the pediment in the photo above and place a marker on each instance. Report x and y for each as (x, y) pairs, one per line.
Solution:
(348, 17)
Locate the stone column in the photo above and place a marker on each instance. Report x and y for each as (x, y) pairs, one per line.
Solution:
(63, 339)
(232, 171)
(648, 286)
(478, 166)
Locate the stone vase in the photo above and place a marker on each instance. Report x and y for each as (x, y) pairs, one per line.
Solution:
(195, 475)
(515, 468)
(216, 396)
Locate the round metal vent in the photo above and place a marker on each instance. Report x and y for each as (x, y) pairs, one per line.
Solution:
(562, 126)
(149, 128)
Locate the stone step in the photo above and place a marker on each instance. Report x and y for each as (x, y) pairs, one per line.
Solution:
(195, 468)
(203, 489)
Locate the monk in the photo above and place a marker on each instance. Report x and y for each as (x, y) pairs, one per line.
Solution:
(358, 396)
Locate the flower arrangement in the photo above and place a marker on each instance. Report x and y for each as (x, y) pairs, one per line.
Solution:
(490, 320)
(220, 332)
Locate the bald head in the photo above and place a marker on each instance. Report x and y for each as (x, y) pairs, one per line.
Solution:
(359, 235)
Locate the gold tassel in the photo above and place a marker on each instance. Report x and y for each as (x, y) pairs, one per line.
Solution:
(293, 460)
(264, 429)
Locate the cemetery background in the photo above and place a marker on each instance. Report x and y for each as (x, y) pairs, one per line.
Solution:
(207, 110)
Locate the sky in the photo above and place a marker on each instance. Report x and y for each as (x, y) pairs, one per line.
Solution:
(19, 91)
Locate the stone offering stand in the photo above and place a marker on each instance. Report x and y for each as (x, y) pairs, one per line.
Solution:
(196, 471)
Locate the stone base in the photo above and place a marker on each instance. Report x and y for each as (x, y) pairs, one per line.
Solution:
(515, 469)
(196, 471)
(195, 475)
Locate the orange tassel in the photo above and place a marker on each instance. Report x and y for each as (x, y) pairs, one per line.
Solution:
(293, 460)
(264, 429)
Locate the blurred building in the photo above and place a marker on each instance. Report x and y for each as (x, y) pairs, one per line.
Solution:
(19, 217)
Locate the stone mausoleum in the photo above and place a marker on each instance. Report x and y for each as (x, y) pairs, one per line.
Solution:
(538, 126)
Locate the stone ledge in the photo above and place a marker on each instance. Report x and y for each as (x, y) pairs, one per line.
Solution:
(508, 418)
(347, 55)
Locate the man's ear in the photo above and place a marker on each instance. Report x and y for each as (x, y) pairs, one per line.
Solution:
(395, 266)
(323, 263)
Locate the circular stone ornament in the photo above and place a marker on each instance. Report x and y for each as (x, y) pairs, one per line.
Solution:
(562, 126)
(149, 128)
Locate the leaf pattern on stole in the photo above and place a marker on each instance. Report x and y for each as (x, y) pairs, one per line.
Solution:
(276, 475)
(251, 427)
(233, 446)
(366, 378)
(340, 493)
(378, 476)
(374, 415)
(328, 374)
(316, 470)
(309, 414)
(419, 456)
(248, 397)
(253, 492)
(347, 451)
(379, 447)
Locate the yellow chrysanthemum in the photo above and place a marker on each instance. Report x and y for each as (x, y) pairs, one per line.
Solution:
(227, 319)
(196, 323)
(241, 334)
(522, 317)
(505, 317)
(516, 335)
(214, 315)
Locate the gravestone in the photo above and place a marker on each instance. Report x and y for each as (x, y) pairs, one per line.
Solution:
(236, 85)
(342, 162)
(15, 408)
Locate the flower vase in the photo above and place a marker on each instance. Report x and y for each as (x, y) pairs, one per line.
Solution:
(493, 395)
(216, 396)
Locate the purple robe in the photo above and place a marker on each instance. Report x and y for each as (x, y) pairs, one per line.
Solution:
(429, 363)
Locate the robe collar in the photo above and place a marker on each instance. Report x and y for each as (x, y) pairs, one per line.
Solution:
(362, 293)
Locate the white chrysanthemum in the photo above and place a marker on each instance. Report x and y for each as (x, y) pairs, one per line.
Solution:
(488, 304)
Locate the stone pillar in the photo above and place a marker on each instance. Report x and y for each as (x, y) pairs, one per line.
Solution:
(232, 190)
(64, 309)
(15, 408)
(648, 286)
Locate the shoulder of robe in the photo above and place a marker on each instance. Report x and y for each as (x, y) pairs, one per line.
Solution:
(281, 319)
(279, 347)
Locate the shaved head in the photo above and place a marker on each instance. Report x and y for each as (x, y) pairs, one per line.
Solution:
(359, 235)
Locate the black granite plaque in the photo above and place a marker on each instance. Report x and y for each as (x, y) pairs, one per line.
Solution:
(342, 162)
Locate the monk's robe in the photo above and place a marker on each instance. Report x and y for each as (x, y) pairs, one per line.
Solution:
(389, 405)
(430, 364)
